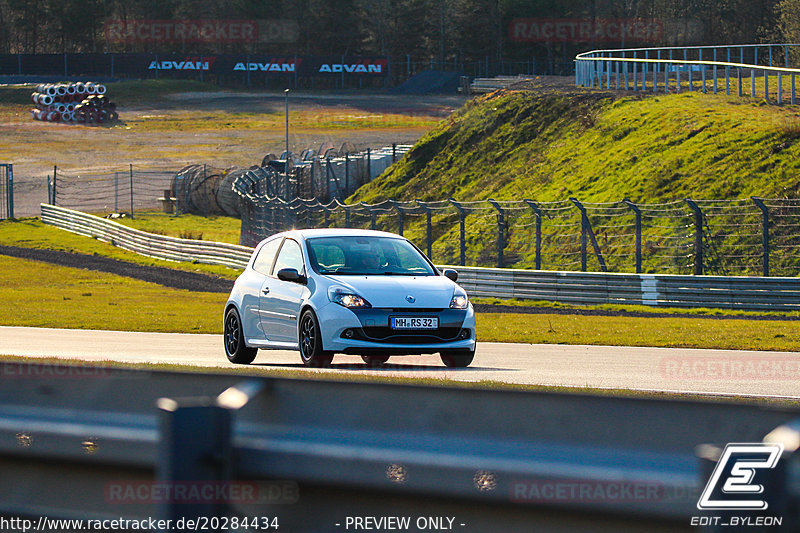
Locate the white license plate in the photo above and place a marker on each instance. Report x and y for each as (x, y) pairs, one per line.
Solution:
(414, 322)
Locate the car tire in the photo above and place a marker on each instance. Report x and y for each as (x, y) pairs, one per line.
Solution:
(457, 359)
(233, 338)
(375, 361)
(310, 342)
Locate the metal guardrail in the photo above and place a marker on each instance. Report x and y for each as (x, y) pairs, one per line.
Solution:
(657, 290)
(94, 442)
(159, 246)
(654, 69)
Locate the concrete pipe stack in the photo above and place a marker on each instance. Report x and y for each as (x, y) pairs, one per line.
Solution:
(81, 102)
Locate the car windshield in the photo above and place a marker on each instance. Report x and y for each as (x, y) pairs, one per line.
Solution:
(367, 256)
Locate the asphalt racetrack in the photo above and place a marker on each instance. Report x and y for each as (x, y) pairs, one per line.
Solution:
(728, 372)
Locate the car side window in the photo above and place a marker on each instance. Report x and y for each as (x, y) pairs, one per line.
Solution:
(290, 256)
(265, 258)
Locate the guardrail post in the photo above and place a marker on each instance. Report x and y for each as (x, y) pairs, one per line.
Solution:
(633, 65)
(500, 232)
(698, 237)
(766, 84)
(588, 233)
(753, 73)
(462, 240)
(638, 213)
(764, 234)
(131, 174)
(538, 213)
(428, 228)
(195, 447)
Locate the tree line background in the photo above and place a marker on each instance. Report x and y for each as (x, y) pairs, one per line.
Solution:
(448, 30)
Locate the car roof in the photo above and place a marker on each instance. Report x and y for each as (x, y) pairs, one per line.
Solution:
(335, 232)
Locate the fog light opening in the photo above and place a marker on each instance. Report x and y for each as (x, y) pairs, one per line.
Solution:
(465, 334)
(348, 334)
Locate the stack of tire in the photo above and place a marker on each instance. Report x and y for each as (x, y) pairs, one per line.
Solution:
(73, 102)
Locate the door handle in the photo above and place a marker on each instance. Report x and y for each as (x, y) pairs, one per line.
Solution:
(265, 290)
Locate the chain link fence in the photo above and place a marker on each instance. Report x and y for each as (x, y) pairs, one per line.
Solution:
(720, 237)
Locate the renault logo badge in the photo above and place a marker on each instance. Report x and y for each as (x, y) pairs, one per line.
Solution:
(410, 299)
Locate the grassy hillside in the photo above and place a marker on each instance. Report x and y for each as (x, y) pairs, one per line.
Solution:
(599, 148)
(548, 147)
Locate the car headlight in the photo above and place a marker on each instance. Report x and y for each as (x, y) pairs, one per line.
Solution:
(460, 300)
(347, 298)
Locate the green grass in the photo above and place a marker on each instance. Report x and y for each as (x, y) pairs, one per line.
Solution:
(32, 233)
(43, 295)
(513, 145)
(598, 148)
(219, 229)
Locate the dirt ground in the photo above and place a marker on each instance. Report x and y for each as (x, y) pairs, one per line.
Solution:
(220, 129)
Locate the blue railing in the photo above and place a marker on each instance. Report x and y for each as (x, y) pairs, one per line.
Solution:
(703, 68)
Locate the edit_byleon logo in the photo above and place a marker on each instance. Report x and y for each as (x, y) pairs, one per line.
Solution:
(732, 484)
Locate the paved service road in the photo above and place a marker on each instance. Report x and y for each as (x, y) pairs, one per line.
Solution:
(667, 369)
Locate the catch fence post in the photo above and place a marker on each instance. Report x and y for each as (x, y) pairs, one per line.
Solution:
(698, 237)
(428, 227)
(346, 174)
(369, 165)
(131, 175)
(394, 153)
(49, 190)
(373, 222)
(764, 234)
(500, 231)
(346, 216)
(116, 192)
(538, 213)
(401, 216)
(325, 220)
(462, 239)
(638, 213)
(10, 191)
(588, 233)
(55, 184)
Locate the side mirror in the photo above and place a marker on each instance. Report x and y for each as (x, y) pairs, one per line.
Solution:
(290, 274)
(451, 274)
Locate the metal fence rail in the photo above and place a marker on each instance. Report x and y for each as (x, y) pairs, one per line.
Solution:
(160, 246)
(760, 70)
(754, 236)
(748, 293)
(490, 459)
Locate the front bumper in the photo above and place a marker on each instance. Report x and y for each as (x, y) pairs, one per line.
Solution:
(367, 331)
